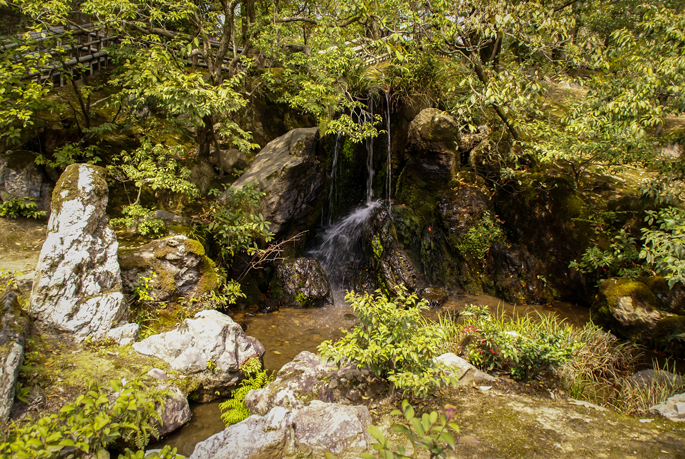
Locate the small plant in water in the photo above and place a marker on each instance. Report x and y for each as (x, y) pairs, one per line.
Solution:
(234, 410)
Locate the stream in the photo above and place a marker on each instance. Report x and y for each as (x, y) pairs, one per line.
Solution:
(288, 332)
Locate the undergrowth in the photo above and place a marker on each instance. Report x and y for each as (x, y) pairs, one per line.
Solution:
(234, 410)
(587, 362)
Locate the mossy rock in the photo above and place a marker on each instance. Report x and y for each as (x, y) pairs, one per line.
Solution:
(628, 307)
(179, 264)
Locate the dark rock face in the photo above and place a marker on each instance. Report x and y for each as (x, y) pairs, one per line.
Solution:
(13, 331)
(227, 160)
(201, 175)
(288, 170)
(461, 210)
(180, 265)
(303, 284)
(516, 275)
(388, 260)
(433, 141)
(20, 178)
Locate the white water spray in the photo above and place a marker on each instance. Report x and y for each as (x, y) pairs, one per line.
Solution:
(340, 249)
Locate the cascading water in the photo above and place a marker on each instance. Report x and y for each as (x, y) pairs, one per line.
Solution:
(333, 191)
(340, 249)
(369, 157)
(389, 174)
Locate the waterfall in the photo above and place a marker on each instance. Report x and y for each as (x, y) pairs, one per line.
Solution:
(333, 190)
(389, 174)
(340, 249)
(369, 157)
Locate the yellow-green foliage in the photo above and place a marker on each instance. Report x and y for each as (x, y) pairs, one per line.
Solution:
(89, 425)
(234, 410)
(394, 340)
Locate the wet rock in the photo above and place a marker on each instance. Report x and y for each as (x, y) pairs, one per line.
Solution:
(179, 263)
(436, 296)
(227, 160)
(672, 409)
(388, 260)
(288, 171)
(211, 346)
(257, 437)
(463, 370)
(201, 175)
(433, 141)
(303, 284)
(462, 210)
(307, 378)
(13, 331)
(124, 334)
(628, 307)
(77, 286)
(175, 413)
(516, 276)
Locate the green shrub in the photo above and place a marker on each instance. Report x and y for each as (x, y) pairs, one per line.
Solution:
(431, 432)
(234, 410)
(139, 219)
(394, 340)
(88, 425)
(20, 207)
(524, 346)
(233, 223)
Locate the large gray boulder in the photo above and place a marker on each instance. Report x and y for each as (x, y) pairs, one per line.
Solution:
(211, 347)
(257, 437)
(433, 142)
(77, 284)
(282, 434)
(307, 378)
(13, 331)
(180, 265)
(303, 284)
(293, 178)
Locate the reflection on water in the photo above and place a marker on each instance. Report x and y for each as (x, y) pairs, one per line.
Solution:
(288, 332)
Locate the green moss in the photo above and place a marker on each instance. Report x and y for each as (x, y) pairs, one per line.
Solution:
(210, 280)
(67, 188)
(614, 289)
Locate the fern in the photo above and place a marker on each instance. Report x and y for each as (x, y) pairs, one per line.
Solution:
(233, 410)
